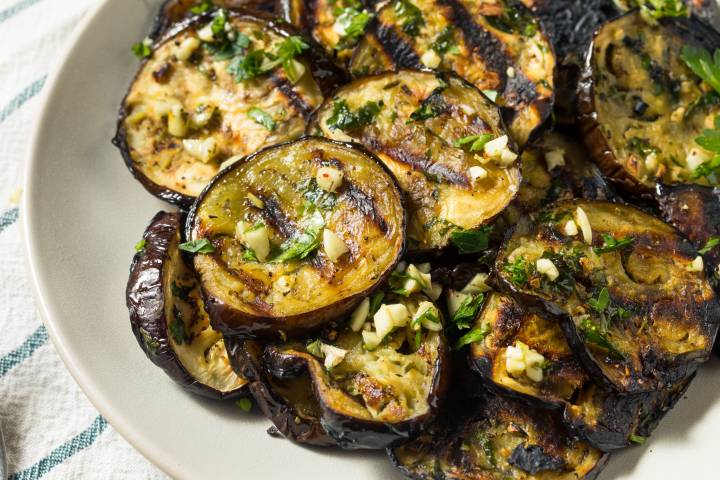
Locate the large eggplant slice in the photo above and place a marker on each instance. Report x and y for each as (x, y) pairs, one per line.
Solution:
(168, 316)
(296, 236)
(493, 437)
(415, 122)
(337, 25)
(631, 295)
(374, 395)
(289, 403)
(495, 44)
(202, 98)
(641, 107)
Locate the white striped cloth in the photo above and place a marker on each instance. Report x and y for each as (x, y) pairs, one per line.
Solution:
(51, 430)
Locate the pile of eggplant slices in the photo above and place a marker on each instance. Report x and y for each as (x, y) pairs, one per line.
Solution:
(481, 234)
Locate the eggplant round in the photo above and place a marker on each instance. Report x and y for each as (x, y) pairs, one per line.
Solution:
(373, 398)
(413, 122)
(498, 438)
(299, 282)
(495, 45)
(641, 107)
(168, 317)
(288, 403)
(196, 104)
(635, 308)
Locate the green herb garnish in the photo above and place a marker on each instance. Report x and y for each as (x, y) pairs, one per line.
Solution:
(467, 311)
(249, 255)
(246, 67)
(352, 21)
(201, 7)
(197, 246)
(710, 140)
(177, 330)
(140, 246)
(314, 348)
(473, 336)
(513, 20)
(375, 303)
(411, 16)
(315, 196)
(244, 404)
(637, 439)
(476, 142)
(261, 117)
(594, 334)
(301, 246)
(471, 241)
(344, 119)
(606, 310)
(431, 107)
(519, 271)
(445, 42)
(611, 244)
(709, 245)
(143, 49)
(656, 9)
(397, 283)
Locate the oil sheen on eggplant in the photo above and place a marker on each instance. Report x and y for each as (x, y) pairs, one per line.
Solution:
(295, 285)
(288, 403)
(494, 44)
(376, 396)
(495, 438)
(413, 122)
(198, 101)
(168, 318)
(641, 107)
(635, 308)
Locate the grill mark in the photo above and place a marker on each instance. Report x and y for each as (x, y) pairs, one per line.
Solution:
(309, 13)
(401, 52)
(253, 284)
(296, 100)
(417, 162)
(364, 202)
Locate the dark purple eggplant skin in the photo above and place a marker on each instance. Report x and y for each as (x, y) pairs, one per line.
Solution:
(693, 32)
(246, 360)
(356, 433)
(326, 74)
(146, 303)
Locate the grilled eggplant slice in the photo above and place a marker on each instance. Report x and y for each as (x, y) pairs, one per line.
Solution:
(641, 107)
(337, 25)
(168, 317)
(289, 403)
(634, 306)
(415, 122)
(501, 438)
(297, 235)
(495, 44)
(374, 395)
(196, 103)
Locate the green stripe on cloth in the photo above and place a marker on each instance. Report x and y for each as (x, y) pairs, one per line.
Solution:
(21, 98)
(24, 351)
(63, 452)
(13, 10)
(8, 218)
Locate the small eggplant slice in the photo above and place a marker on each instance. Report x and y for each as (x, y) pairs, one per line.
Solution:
(375, 391)
(501, 438)
(495, 45)
(289, 402)
(641, 107)
(442, 139)
(168, 316)
(201, 99)
(337, 25)
(296, 236)
(524, 353)
(635, 306)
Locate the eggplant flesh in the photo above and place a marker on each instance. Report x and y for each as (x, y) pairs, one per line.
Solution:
(498, 438)
(634, 309)
(495, 45)
(641, 107)
(288, 403)
(373, 398)
(323, 250)
(168, 317)
(188, 112)
(419, 118)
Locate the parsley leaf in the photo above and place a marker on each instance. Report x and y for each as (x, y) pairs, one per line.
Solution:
(471, 241)
(656, 9)
(285, 56)
(261, 117)
(445, 42)
(473, 336)
(703, 64)
(301, 246)
(514, 20)
(177, 331)
(467, 311)
(637, 439)
(518, 271)
(201, 7)
(476, 142)
(249, 255)
(411, 16)
(197, 246)
(143, 49)
(246, 67)
(244, 404)
(375, 303)
(593, 334)
(140, 246)
(344, 119)
(316, 196)
(431, 107)
(397, 282)
(709, 245)
(602, 302)
(352, 22)
(611, 244)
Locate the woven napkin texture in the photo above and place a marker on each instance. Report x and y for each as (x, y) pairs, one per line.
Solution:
(51, 430)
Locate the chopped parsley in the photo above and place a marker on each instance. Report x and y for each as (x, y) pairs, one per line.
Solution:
(656, 9)
(344, 119)
(473, 336)
(641, 146)
(519, 271)
(302, 245)
(315, 196)
(314, 348)
(710, 141)
(261, 117)
(143, 49)
(244, 404)
(197, 246)
(285, 56)
(249, 255)
(411, 16)
(375, 303)
(431, 315)
(709, 245)
(595, 335)
(637, 439)
(611, 244)
(431, 107)
(474, 143)
(467, 311)
(177, 331)
(398, 279)
(201, 7)
(140, 246)
(513, 20)
(352, 22)
(471, 241)
(246, 67)
(445, 42)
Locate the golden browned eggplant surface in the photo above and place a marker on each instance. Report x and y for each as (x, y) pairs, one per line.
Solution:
(441, 138)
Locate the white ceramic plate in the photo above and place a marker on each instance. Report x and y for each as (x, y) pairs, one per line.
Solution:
(83, 214)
